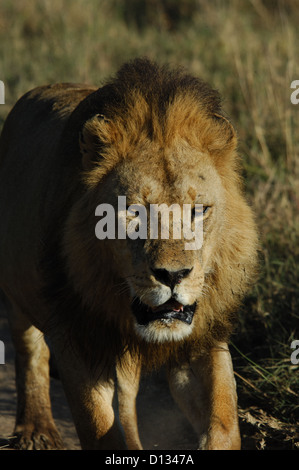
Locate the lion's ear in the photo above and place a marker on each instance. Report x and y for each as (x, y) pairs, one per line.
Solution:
(93, 136)
(221, 142)
(229, 139)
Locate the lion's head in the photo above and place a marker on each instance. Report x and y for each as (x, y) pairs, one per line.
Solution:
(160, 137)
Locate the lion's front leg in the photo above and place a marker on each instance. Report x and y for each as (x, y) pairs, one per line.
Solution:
(34, 428)
(90, 400)
(128, 377)
(205, 390)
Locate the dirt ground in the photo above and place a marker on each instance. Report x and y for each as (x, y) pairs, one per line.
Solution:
(162, 425)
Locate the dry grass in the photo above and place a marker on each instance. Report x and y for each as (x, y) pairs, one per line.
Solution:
(248, 51)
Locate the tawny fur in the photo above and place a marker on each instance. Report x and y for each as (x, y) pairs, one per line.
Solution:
(153, 135)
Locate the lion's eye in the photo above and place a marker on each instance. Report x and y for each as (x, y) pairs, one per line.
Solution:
(198, 212)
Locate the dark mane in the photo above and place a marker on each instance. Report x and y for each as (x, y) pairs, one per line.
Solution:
(159, 85)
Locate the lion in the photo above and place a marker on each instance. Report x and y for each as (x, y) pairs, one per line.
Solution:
(114, 308)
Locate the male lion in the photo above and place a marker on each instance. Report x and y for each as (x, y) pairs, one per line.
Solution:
(113, 306)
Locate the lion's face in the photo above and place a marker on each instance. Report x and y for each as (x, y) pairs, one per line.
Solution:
(166, 280)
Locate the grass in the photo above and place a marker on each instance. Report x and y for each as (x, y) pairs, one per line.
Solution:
(246, 49)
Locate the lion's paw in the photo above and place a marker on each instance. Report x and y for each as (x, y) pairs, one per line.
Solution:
(37, 439)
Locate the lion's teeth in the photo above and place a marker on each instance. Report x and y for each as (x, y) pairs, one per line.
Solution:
(169, 305)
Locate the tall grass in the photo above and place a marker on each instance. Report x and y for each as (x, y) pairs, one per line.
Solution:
(246, 49)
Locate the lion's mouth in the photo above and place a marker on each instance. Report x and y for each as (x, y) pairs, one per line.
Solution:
(170, 310)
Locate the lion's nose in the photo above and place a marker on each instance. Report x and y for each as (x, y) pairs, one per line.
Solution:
(170, 278)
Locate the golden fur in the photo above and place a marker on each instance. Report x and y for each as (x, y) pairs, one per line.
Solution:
(155, 136)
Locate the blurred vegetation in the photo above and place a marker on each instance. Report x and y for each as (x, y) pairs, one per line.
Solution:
(248, 50)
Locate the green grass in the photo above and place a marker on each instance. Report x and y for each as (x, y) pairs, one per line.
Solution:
(246, 49)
